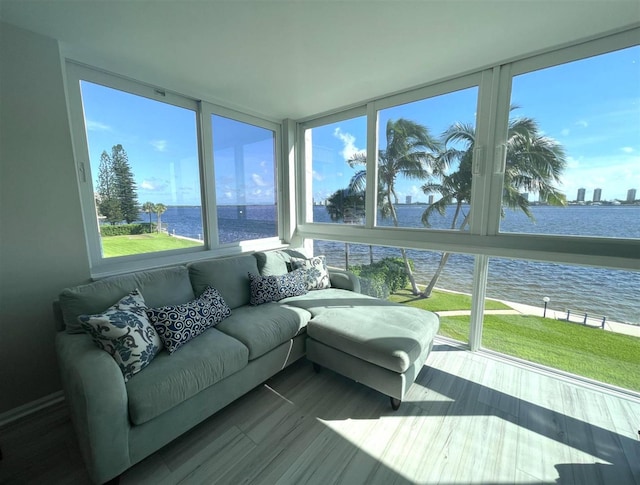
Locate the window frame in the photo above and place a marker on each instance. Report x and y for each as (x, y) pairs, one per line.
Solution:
(207, 111)
(484, 239)
(492, 117)
(100, 266)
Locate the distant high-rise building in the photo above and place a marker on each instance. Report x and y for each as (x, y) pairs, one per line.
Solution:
(408, 200)
(631, 195)
(581, 193)
(597, 195)
(525, 195)
(430, 199)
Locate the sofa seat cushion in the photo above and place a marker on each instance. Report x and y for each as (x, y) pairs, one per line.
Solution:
(393, 337)
(173, 378)
(321, 301)
(262, 328)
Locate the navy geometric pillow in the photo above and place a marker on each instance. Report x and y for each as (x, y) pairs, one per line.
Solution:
(123, 330)
(177, 324)
(274, 288)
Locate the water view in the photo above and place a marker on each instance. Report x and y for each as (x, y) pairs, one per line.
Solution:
(567, 286)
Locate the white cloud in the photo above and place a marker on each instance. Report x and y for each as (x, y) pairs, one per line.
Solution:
(349, 144)
(258, 180)
(572, 163)
(317, 177)
(153, 184)
(582, 123)
(613, 175)
(97, 126)
(565, 132)
(159, 145)
(627, 149)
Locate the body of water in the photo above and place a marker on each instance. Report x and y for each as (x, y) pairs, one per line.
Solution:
(613, 293)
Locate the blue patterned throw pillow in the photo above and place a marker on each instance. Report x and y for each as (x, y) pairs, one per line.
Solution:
(124, 331)
(274, 288)
(316, 273)
(177, 324)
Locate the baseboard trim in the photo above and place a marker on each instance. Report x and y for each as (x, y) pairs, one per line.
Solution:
(30, 408)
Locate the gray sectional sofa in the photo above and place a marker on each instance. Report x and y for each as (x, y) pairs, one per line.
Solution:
(120, 422)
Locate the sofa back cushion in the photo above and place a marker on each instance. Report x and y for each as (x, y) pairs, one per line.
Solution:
(275, 263)
(230, 276)
(159, 287)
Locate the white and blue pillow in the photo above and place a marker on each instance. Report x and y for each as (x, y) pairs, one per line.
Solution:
(177, 324)
(124, 331)
(265, 289)
(315, 270)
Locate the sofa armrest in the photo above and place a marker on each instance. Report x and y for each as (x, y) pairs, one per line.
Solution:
(97, 398)
(344, 280)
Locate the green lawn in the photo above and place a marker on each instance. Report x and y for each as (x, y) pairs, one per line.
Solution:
(587, 351)
(443, 301)
(144, 243)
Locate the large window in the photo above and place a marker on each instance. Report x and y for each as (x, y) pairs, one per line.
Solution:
(162, 176)
(547, 147)
(338, 182)
(573, 149)
(424, 161)
(578, 319)
(244, 162)
(144, 163)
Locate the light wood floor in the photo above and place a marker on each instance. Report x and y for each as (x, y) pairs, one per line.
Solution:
(469, 419)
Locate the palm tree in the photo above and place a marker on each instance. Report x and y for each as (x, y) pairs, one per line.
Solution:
(409, 154)
(149, 208)
(160, 209)
(534, 164)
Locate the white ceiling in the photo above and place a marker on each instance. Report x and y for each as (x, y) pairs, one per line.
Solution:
(293, 59)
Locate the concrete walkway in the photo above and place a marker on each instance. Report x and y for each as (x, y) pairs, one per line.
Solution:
(521, 309)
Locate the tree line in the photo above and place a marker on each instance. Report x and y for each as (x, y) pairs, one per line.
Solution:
(116, 194)
(534, 164)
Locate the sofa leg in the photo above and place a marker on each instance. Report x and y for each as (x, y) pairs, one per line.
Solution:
(317, 368)
(395, 403)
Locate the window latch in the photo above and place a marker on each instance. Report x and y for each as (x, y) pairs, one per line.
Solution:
(478, 160)
(501, 155)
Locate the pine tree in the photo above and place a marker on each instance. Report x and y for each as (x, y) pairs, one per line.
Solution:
(125, 184)
(116, 196)
(106, 200)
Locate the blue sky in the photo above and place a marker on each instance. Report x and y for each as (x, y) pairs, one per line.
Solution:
(591, 107)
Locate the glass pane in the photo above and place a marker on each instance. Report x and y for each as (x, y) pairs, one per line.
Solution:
(424, 162)
(572, 159)
(144, 166)
(382, 274)
(338, 162)
(578, 319)
(244, 161)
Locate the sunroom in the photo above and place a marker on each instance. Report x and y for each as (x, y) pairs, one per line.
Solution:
(471, 165)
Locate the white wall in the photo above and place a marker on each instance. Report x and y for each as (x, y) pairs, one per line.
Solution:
(42, 243)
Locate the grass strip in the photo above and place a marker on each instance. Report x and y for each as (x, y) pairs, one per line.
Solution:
(587, 351)
(113, 246)
(440, 301)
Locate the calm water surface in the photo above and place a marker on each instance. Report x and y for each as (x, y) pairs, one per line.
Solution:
(614, 293)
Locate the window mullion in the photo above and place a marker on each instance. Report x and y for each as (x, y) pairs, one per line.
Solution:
(207, 170)
(483, 152)
(371, 202)
(480, 271)
(496, 165)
